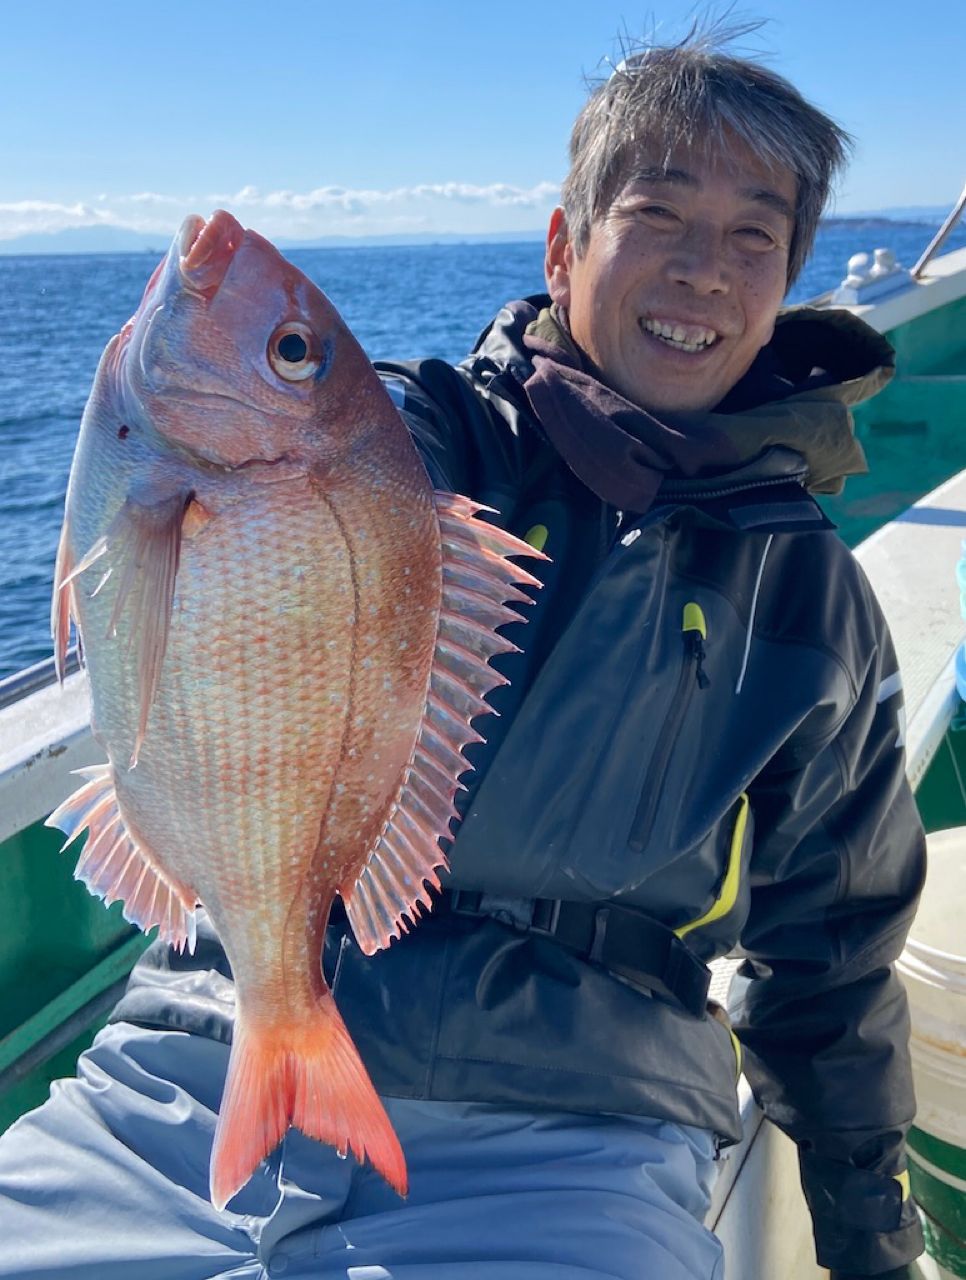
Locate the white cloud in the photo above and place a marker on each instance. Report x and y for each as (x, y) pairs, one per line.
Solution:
(20, 216)
(153, 197)
(328, 210)
(498, 193)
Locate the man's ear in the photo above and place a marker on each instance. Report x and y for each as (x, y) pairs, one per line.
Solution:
(559, 259)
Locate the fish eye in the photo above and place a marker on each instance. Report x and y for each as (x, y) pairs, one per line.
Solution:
(292, 348)
(295, 352)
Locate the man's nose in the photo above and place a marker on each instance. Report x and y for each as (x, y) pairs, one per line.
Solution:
(700, 261)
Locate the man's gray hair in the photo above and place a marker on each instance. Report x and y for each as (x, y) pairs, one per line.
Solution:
(692, 94)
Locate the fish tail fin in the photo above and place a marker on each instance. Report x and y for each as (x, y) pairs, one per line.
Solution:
(308, 1075)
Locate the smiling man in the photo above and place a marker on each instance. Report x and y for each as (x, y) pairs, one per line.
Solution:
(698, 748)
(679, 282)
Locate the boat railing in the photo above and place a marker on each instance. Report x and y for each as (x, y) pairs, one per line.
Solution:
(939, 239)
(891, 294)
(42, 674)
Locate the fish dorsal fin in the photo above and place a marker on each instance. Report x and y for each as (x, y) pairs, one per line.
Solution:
(478, 580)
(114, 867)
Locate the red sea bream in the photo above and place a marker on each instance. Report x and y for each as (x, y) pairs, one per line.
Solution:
(287, 633)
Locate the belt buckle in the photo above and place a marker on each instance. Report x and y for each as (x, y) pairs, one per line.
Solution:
(545, 916)
(465, 902)
(544, 912)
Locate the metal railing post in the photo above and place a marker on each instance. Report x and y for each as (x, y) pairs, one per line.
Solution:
(939, 238)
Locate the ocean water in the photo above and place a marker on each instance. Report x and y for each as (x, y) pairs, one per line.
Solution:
(57, 314)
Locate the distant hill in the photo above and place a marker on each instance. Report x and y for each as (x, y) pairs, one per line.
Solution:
(87, 240)
(119, 240)
(424, 238)
(107, 239)
(929, 213)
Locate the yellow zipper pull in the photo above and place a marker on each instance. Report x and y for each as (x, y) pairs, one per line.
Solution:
(695, 631)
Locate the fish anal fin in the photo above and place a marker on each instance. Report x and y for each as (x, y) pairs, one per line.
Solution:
(405, 860)
(114, 867)
(308, 1075)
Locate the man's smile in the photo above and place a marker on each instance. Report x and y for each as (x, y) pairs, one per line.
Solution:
(679, 335)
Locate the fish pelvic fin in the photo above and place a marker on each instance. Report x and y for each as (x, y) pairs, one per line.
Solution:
(306, 1074)
(114, 867)
(478, 581)
(63, 608)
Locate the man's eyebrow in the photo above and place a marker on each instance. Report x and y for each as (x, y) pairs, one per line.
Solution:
(761, 195)
(681, 177)
(657, 173)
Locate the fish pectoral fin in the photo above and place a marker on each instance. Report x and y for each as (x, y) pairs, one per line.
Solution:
(308, 1075)
(144, 542)
(478, 580)
(114, 867)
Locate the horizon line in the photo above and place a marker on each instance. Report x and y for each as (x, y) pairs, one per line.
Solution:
(400, 239)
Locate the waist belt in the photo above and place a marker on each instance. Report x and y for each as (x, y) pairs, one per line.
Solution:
(626, 942)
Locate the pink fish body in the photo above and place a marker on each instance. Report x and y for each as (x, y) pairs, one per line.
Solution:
(287, 633)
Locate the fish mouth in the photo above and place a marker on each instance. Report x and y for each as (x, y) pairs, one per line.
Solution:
(205, 250)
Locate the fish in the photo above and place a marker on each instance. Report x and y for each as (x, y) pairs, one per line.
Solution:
(288, 634)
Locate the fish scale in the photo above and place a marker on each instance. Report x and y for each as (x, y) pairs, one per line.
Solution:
(287, 634)
(254, 723)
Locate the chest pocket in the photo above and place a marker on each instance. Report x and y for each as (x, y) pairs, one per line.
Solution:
(691, 677)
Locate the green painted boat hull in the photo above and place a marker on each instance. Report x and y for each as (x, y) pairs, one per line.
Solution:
(63, 958)
(912, 431)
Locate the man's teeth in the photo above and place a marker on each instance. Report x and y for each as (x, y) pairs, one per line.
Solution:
(675, 335)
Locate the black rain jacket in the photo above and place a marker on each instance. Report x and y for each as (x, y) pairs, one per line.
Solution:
(760, 803)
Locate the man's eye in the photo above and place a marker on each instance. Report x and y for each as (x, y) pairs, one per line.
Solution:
(658, 215)
(758, 236)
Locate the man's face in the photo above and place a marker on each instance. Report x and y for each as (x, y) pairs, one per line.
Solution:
(679, 286)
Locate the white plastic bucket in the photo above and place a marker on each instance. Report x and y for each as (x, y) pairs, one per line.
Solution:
(933, 968)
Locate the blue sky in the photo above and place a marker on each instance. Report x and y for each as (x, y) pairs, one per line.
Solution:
(369, 117)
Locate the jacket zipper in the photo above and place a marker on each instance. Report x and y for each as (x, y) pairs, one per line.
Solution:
(691, 675)
(682, 492)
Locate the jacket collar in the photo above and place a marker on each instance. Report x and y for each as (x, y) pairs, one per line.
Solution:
(817, 366)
